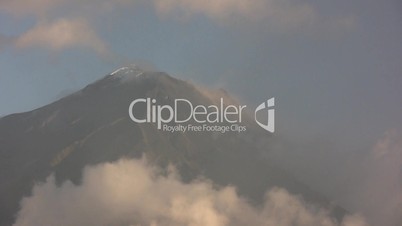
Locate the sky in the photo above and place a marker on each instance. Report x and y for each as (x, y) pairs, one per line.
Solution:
(334, 67)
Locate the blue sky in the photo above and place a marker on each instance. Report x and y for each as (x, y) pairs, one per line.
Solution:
(335, 67)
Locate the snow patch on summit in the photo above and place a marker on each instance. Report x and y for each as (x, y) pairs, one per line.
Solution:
(127, 73)
(118, 70)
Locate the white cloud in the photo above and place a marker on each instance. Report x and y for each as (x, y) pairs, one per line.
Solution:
(282, 13)
(41, 8)
(56, 33)
(380, 193)
(131, 192)
(27, 7)
(62, 34)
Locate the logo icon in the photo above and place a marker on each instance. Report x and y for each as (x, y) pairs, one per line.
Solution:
(269, 104)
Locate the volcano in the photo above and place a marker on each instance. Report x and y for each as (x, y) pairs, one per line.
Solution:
(93, 126)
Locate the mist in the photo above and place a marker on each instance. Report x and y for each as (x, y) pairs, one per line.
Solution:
(133, 192)
(366, 179)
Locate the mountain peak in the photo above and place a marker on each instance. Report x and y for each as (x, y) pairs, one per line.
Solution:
(127, 70)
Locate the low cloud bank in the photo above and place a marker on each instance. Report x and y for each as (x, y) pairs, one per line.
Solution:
(379, 195)
(131, 192)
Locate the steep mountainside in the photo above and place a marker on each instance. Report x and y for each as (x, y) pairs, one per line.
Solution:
(93, 126)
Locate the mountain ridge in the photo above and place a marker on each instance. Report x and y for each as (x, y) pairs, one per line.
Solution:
(92, 126)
